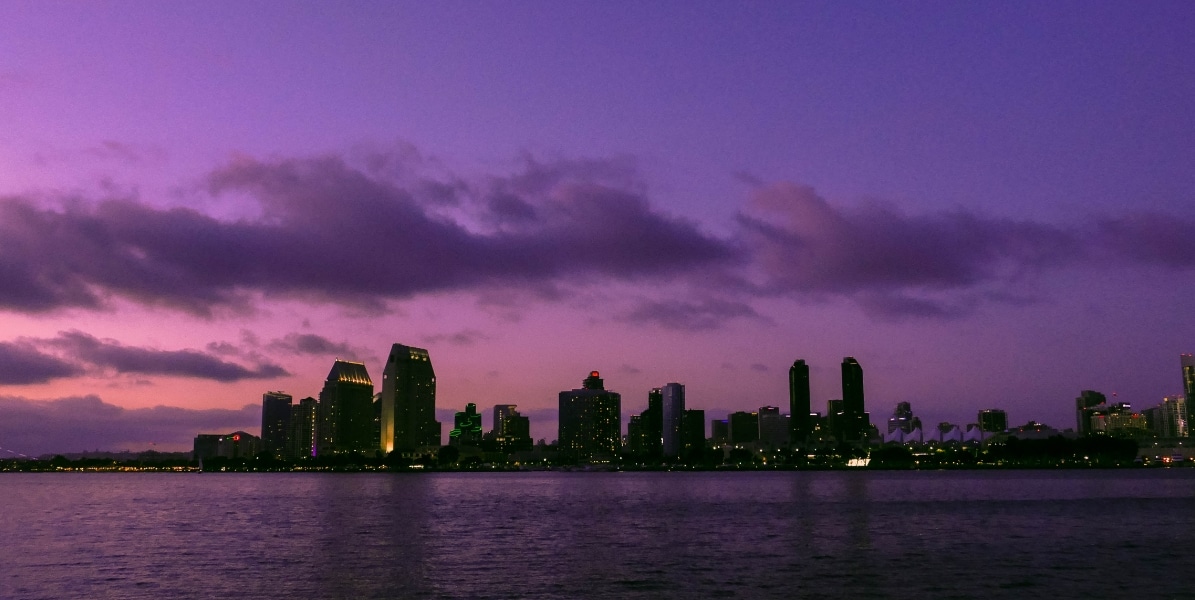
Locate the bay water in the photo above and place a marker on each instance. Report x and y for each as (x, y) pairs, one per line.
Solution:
(953, 534)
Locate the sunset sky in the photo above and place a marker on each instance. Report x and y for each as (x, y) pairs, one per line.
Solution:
(988, 204)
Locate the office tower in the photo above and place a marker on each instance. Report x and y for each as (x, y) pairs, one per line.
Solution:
(1089, 403)
(692, 433)
(1188, 363)
(275, 422)
(854, 425)
(902, 418)
(409, 402)
(346, 411)
(651, 425)
(1171, 418)
(467, 428)
(799, 407)
(635, 443)
(673, 395)
(743, 428)
(993, 420)
(301, 440)
(512, 432)
(590, 424)
(773, 426)
(720, 432)
(501, 411)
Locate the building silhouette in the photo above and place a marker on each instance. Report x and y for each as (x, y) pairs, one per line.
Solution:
(235, 445)
(512, 431)
(301, 439)
(720, 431)
(645, 432)
(1188, 364)
(743, 427)
(799, 407)
(903, 419)
(692, 434)
(466, 429)
(275, 423)
(993, 420)
(408, 409)
(673, 412)
(590, 424)
(346, 411)
(773, 426)
(854, 422)
(1089, 404)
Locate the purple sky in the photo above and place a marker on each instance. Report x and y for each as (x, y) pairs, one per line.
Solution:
(987, 204)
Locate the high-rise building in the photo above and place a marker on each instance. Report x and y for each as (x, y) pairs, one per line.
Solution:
(301, 440)
(275, 422)
(673, 395)
(501, 411)
(1089, 403)
(1171, 418)
(773, 426)
(692, 433)
(993, 420)
(854, 421)
(346, 411)
(720, 431)
(652, 424)
(408, 419)
(467, 428)
(901, 418)
(1188, 364)
(512, 431)
(743, 427)
(590, 424)
(799, 407)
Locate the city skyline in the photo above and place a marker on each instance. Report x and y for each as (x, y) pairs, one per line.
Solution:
(986, 205)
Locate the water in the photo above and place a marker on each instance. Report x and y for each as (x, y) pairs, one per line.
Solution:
(1007, 534)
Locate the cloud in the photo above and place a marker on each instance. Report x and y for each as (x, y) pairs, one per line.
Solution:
(317, 345)
(110, 354)
(891, 261)
(326, 231)
(760, 367)
(1151, 238)
(21, 363)
(76, 424)
(683, 315)
(466, 337)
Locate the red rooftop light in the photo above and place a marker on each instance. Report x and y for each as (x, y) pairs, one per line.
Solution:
(594, 374)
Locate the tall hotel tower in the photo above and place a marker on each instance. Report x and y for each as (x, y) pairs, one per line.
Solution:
(346, 410)
(673, 414)
(799, 409)
(275, 422)
(408, 401)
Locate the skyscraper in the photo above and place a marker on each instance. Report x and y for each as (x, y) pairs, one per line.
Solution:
(673, 395)
(512, 431)
(275, 423)
(501, 411)
(1088, 404)
(590, 424)
(1188, 364)
(799, 407)
(346, 410)
(854, 417)
(773, 426)
(993, 420)
(692, 434)
(467, 428)
(408, 401)
(301, 440)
